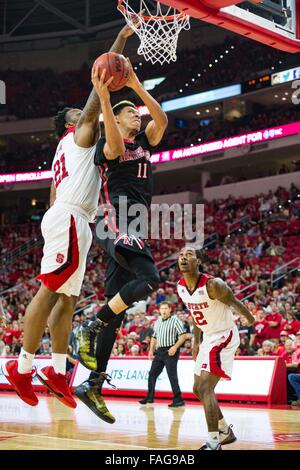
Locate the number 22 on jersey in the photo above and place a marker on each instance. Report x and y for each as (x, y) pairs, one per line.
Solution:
(199, 318)
(60, 171)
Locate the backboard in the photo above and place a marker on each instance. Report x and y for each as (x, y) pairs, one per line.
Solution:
(272, 22)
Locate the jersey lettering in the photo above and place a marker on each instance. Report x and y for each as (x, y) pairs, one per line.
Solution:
(60, 171)
(199, 318)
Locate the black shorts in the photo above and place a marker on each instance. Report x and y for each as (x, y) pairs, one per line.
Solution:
(117, 272)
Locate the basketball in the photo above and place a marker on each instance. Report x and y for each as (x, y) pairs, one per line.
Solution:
(117, 66)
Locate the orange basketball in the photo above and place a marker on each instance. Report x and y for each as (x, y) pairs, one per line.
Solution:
(117, 66)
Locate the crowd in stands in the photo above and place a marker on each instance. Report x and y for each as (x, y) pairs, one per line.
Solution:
(38, 93)
(39, 155)
(248, 243)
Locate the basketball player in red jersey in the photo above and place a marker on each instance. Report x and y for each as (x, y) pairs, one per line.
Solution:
(65, 228)
(211, 303)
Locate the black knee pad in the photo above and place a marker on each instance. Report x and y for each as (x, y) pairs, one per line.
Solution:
(153, 281)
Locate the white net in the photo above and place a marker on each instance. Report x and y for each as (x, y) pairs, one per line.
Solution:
(158, 31)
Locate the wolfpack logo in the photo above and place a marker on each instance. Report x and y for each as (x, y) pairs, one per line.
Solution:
(200, 291)
(135, 155)
(129, 240)
(204, 366)
(60, 258)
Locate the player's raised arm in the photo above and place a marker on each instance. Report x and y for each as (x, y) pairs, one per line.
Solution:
(114, 145)
(217, 289)
(88, 129)
(156, 128)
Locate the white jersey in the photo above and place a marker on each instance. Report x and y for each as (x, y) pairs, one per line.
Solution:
(75, 176)
(211, 316)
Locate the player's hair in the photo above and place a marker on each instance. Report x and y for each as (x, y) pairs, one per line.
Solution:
(117, 108)
(59, 122)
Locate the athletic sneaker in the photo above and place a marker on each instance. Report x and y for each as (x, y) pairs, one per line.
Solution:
(58, 385)
(176, 404)
(207, 446)
(90, 394)
(86, 344)
(22, 383)
(227, 437)
(146, 400)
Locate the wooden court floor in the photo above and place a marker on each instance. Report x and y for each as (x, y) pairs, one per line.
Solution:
(51, 425)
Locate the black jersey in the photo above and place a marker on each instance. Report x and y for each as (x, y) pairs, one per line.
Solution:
(129, 175)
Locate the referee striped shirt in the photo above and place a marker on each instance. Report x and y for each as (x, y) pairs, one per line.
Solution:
(167, 331)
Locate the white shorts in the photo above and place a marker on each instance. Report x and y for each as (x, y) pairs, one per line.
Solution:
(68, 238)
(217, 352)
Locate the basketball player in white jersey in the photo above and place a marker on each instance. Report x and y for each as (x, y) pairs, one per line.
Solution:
(211, 303)
(65, 228)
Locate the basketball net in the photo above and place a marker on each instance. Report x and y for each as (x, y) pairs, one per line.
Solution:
(157, 32)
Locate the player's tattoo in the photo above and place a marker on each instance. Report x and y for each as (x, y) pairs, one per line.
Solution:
(91, 110)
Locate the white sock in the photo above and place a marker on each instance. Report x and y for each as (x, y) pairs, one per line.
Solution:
(213, 438)
(59, 363)
(25, 361)
(222, 425)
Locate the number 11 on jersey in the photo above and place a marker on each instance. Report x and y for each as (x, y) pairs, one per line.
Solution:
(142, 170)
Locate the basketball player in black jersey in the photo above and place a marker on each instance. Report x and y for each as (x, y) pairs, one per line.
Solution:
(124, 161)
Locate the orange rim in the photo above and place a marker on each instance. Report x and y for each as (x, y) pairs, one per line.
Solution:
(178, 16)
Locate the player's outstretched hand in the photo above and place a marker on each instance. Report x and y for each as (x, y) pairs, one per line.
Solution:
(127, 31)
(100, 85)
(133, 81)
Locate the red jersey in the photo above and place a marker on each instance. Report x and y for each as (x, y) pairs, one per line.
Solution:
(288, 357)
(291, 327)
(274, 330)
(261, 330)
(10, 334)
(136, 329)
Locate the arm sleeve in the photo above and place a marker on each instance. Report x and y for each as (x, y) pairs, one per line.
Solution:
(99, 154)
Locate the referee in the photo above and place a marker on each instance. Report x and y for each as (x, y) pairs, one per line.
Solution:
(168, 336)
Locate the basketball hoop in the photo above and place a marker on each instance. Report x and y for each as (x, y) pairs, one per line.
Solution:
(157, 32)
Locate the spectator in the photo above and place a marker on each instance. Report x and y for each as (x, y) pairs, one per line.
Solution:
(135, 350)
(45, 349)
(291, 325)
(274, 320)
(121, 350)
(171, 297)
(187, 348)
(288, 355)
(267, 349)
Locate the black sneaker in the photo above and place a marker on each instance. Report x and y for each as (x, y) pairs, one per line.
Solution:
(207, 446)
(90, 394)
(146, 400)
(87, 335)
(177, 404)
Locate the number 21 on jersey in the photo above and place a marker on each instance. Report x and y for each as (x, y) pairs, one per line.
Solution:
(60, 171)
(199, 318)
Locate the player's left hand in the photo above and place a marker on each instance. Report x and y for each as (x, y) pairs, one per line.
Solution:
(127, 31)
(172, 351)
(99, 83)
